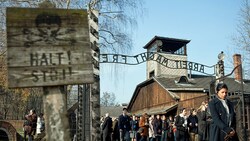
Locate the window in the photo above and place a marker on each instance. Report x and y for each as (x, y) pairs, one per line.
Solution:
(153, 49)
(180, 51)
(183, 80)
(152, 74)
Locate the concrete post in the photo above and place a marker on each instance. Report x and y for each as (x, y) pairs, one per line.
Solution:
(55, 106)
(55, 111)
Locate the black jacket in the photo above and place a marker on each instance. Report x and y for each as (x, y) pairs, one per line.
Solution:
(107, 126)
(204, 119)
(124, 122)
(192, 120)
(157, 125)
(179, 122)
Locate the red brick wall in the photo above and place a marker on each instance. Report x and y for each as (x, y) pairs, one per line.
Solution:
(18, 125)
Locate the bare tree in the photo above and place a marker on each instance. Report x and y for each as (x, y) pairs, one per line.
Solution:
(35, 100)
(13, 102)
(242, 38)
(5, 104)
(108, 99)
(117, 19)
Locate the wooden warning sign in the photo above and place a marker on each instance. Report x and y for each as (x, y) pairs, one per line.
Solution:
(48, 47)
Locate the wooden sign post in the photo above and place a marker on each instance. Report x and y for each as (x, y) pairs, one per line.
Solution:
(49, 48)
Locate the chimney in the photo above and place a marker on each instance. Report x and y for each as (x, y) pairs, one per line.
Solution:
(238, 70)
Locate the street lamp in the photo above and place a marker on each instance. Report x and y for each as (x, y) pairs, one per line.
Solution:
(220, 66)
(221, 56)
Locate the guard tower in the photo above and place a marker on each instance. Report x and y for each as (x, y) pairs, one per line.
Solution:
(170, 48)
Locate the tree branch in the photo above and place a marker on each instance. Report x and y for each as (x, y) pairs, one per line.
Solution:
(106, 40)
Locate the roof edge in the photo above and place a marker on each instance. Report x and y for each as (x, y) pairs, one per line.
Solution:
(166, 38)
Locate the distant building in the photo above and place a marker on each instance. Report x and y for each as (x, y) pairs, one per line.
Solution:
(114, 111)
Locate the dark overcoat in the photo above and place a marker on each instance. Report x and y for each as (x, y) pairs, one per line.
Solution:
(181, 132)
(192, 119)
(219, 127)
(157, 126)
(204, 119)
(107, 129)
(124, 122)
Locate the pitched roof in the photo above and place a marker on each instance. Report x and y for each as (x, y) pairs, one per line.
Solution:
(114, 111)
(160, 110)
(200, 84)
(177, 42)
(197, 83)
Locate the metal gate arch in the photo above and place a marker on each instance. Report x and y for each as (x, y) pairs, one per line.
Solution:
(157, 57)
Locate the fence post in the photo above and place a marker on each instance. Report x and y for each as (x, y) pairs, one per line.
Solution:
(95, 87)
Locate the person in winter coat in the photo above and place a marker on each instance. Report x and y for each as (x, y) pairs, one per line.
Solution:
(107, 128)
(223, 124)
(170, 131)
(204, 120)
(27, 127)
(116, 132)
(124, 125)
(157, 128)
(151, 129)
(143, 124)
(134, 126)
(181, 126)
(192, 121)
(34, 120)
(165, 128)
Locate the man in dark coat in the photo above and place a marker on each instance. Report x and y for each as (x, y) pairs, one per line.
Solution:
(124, 125)
(181, 126)
(27, 127)
(157, 124)
(34, 120)
(204, 119)
(116, 132)
(107, 128)
(192, 122)
(223, 124)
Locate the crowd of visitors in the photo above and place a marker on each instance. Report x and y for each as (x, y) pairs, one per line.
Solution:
(186, 126)
(200, 124)
(212, 121)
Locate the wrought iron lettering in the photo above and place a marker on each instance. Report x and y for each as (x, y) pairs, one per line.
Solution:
(154, 56)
